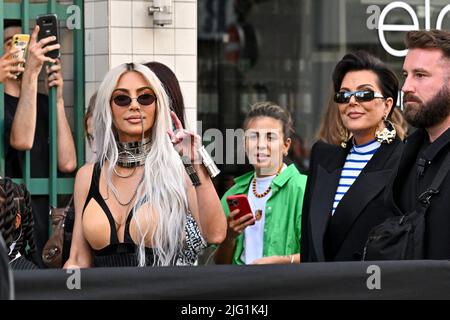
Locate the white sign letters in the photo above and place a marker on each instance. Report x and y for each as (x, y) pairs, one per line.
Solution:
(382, 27)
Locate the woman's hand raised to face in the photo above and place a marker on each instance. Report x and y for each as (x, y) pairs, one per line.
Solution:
(186, 142)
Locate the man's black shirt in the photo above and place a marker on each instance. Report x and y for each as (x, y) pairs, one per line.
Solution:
(39, 164)
(39, 154)
(419, 165)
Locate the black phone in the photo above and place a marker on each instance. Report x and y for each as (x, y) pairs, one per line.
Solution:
(48, 26)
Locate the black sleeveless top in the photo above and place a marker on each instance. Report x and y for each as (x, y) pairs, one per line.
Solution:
(124, 254)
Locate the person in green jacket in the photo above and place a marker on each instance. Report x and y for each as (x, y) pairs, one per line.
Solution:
(271, 233)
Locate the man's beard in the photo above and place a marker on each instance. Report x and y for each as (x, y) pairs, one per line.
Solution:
(427, 115)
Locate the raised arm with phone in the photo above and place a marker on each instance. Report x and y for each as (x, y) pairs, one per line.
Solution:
(48, 27)
(24, 124)
(27, 119)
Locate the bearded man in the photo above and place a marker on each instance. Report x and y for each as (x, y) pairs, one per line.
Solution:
(426, 101)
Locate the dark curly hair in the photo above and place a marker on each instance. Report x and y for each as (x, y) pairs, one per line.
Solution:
(16, 199)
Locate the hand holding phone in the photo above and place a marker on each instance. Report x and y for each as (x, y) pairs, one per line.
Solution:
(37, 52)
(19, 45)
(9, 66)
(48, 27)
(241, 215)
(240, 202)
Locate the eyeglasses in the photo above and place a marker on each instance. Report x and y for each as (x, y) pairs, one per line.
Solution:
(123, 100)
(360, 96)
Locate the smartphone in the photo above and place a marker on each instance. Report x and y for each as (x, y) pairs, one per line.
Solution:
(20, 41)
(240, 202)
(48, 26)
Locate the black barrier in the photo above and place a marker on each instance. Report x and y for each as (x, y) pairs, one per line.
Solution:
(349, 280)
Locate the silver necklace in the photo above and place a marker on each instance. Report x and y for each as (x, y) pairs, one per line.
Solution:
(123, 176)
(117, 197)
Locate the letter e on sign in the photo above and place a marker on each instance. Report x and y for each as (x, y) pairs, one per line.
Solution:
(395, 27)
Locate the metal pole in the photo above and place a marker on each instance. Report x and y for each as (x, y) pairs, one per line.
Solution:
(53, 173)
(25, 13)
(79, 84)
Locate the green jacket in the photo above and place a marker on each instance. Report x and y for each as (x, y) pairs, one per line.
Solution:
(282, 227)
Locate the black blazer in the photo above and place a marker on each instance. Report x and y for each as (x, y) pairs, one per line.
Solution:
(437, 230)
(341, 237)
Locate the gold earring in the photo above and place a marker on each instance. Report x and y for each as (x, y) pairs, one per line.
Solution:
(388, 134)
(345, 135)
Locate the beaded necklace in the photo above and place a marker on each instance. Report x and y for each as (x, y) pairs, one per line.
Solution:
(265, 193)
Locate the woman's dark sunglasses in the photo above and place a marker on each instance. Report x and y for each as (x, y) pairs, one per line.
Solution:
(360, 96)
(123, 100)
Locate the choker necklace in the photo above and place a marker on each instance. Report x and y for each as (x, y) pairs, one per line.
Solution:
(133, 154)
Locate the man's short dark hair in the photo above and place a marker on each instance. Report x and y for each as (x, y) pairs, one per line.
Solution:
(432, 39)
(7, 23)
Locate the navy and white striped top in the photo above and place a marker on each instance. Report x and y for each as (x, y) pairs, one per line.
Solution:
(355, 162)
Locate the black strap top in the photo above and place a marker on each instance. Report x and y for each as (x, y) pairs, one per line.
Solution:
(94, 192)
(119, 254)
(115, 254)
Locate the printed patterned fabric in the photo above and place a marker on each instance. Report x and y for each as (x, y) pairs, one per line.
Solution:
(194, 244)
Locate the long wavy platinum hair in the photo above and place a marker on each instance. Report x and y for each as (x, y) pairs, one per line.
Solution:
(163, 185)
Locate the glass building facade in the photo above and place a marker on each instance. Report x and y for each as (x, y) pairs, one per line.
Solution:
(285, 51)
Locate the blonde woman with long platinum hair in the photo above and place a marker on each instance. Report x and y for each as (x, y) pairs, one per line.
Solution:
(136, 205)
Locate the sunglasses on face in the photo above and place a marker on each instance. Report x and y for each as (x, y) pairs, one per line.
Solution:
(122, 100)
(360, 96)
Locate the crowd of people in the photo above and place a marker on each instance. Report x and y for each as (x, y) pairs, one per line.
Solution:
(147, 197)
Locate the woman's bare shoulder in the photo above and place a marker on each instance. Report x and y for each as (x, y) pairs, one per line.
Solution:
(84, 176)
(85, 171)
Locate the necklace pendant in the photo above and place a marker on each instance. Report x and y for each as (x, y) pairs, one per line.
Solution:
(258, 214)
